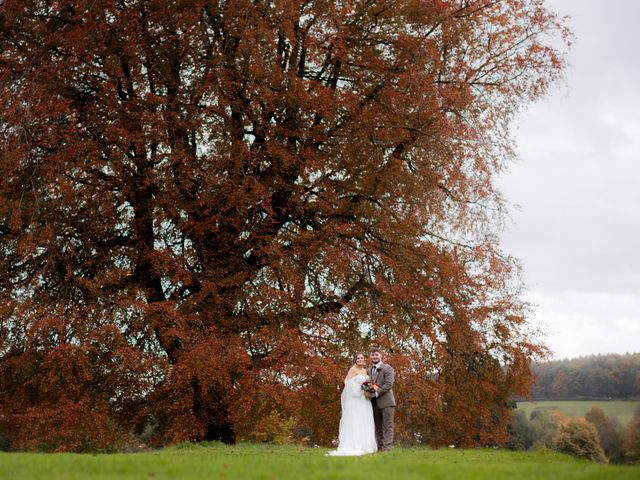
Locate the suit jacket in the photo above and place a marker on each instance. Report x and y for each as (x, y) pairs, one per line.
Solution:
(384, 379)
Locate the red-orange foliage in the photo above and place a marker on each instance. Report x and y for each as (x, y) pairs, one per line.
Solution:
(205, 206)
(66, 427)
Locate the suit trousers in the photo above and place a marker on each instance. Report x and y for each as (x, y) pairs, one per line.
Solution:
(383, 418)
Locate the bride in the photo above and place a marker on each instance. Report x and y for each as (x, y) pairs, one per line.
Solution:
(357, 429)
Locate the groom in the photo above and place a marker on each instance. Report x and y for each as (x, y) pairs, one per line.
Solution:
(382, 400)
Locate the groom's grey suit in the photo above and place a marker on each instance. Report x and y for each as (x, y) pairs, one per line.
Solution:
(384, 404)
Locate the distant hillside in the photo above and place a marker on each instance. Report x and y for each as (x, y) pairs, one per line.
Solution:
(592, 377)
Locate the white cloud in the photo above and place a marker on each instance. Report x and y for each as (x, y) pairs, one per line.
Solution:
(579, 323)
(578, 185)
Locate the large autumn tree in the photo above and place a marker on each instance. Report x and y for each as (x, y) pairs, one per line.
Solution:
(206, 206)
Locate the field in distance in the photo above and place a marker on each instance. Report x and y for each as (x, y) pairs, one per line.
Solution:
(623, 410)
(251, 461)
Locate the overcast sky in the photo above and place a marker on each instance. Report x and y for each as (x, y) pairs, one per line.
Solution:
(577, 184)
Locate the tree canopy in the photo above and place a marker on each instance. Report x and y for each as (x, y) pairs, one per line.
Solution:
(207, 206)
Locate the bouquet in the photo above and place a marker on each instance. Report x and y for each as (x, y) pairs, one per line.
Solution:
(368, 386)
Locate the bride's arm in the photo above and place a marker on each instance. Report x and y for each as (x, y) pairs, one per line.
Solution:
(350, 374)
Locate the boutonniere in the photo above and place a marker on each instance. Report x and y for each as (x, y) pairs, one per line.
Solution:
(378, 369)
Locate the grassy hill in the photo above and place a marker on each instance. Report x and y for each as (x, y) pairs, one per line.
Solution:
(620, 409)
(248, 461)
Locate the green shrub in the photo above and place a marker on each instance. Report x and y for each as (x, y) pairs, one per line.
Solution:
(631, 441)
(5, 443)
(274, 428)
(545, 428)
(610, 433)
(521, 432)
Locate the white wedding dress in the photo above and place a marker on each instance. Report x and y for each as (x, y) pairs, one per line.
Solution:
(357, 430)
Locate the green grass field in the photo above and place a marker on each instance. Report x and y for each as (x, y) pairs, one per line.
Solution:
(622, 410)
(249, 461)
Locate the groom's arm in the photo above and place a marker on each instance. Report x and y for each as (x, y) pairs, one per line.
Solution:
(389, 378)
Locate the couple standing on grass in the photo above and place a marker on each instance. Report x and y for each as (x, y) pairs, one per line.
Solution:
(368, 405)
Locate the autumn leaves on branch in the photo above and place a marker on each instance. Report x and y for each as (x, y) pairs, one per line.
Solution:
(207, 205)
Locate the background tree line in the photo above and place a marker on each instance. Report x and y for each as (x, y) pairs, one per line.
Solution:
(595, 376)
